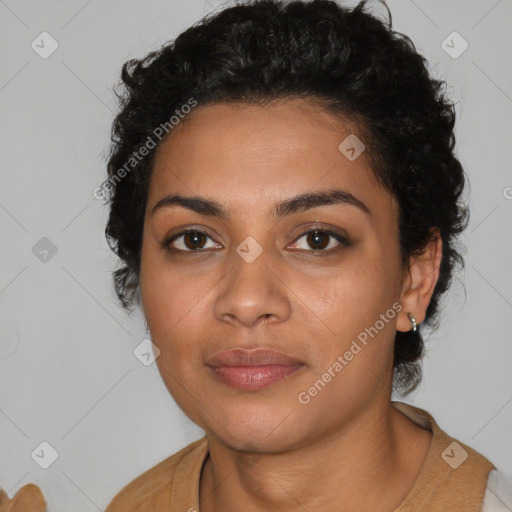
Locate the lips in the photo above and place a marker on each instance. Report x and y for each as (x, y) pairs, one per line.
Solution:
(253, 357)
(251, 370)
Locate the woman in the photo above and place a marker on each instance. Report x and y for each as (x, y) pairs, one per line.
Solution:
(285, 200)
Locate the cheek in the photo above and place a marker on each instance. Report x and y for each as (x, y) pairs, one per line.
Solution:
(348, 297)
(166, 293)
(172, 304)
(353, 314)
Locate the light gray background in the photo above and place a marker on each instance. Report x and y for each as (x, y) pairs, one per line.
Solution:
(68, 374)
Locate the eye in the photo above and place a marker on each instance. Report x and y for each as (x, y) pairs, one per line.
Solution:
(320, 240)
(197, 240)
(190, 240)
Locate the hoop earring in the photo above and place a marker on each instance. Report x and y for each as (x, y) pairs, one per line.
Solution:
(413, 322)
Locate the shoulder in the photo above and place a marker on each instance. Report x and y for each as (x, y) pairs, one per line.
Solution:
(154, 486)
(498, 493)
(453, 475)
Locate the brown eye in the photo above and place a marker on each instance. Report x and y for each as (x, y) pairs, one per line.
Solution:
(319, 240)
(190, 240)
(194, 240)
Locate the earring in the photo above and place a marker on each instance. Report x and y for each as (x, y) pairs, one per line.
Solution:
(413, 322)
(147, 327)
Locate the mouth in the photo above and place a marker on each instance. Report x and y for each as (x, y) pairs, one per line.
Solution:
(251, 370)
(252, 378)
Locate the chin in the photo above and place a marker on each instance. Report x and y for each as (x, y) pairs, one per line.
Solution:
(252, 433)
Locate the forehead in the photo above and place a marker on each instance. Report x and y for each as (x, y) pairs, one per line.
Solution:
(244, 155)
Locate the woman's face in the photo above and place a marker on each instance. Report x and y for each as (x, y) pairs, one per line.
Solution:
(254, 279)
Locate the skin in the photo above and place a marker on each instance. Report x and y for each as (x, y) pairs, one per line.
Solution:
(348, 448)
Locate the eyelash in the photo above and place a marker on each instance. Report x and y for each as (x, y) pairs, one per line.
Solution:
(318, 252)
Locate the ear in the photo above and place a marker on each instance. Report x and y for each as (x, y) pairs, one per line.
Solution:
(419, 282)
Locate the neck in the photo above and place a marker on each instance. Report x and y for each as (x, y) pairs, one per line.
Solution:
(370, 465)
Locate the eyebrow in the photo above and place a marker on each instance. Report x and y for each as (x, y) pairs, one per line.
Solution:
(299, 203)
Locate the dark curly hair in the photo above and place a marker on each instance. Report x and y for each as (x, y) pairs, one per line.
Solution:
(351, 61)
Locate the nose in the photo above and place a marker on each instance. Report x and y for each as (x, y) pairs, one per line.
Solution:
(252, 293)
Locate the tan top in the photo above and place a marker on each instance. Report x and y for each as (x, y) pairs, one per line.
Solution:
(29, 498)
(453, 477)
